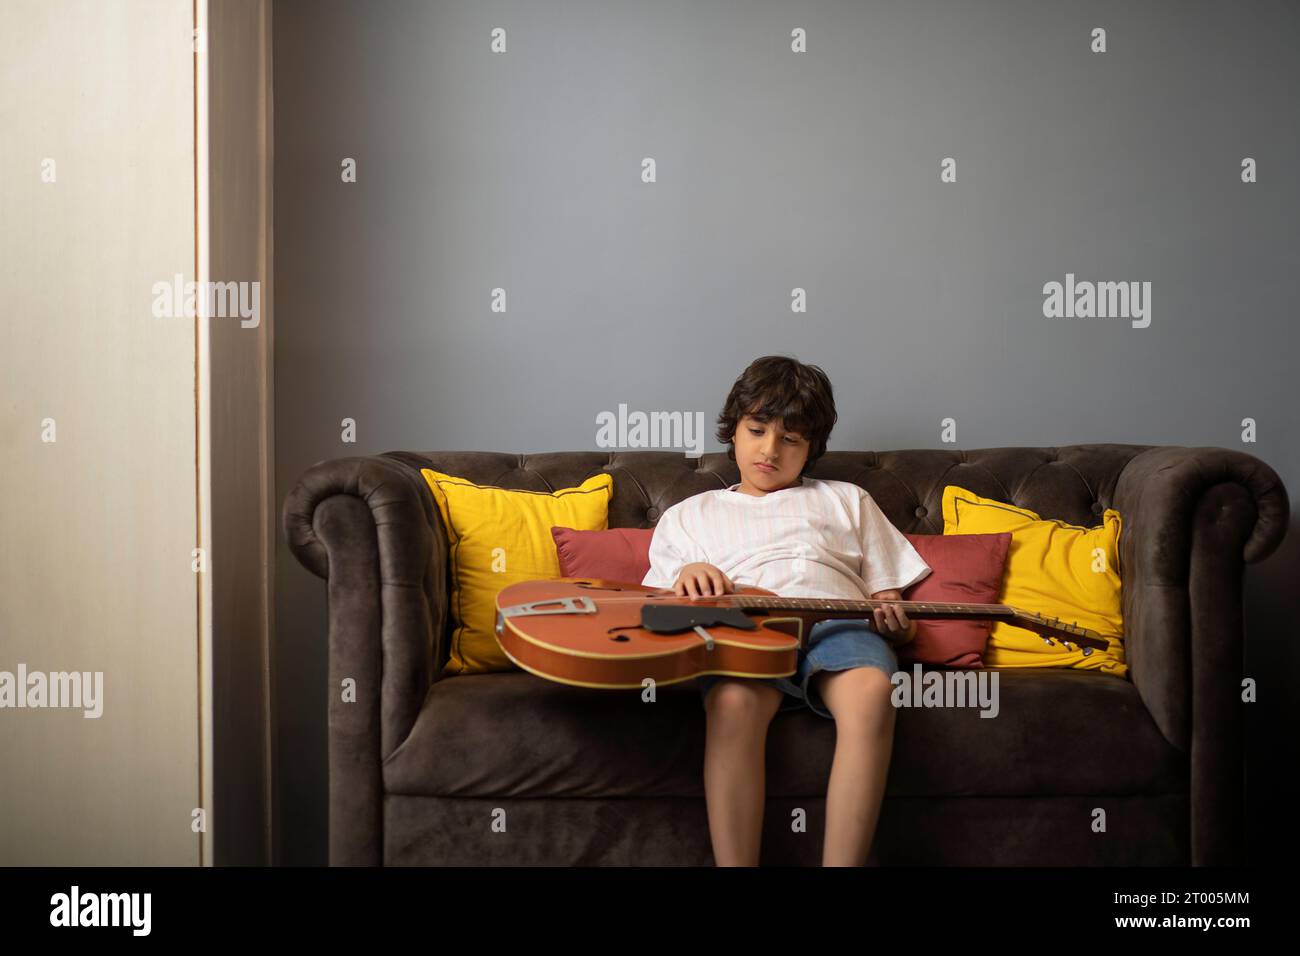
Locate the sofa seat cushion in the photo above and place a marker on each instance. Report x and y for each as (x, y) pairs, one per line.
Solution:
(1057, 732)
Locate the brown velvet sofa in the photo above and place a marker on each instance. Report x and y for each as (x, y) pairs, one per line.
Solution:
(420, 763)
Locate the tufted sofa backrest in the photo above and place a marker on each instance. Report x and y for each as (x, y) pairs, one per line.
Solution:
(1074, 484)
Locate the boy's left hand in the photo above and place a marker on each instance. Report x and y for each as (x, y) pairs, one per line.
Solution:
(891, 620)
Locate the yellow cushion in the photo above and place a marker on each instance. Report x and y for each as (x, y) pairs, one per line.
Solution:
(1059, 570)
(499, 537)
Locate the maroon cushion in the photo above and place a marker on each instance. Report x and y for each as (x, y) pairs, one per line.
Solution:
(619, 554)
(967, 569)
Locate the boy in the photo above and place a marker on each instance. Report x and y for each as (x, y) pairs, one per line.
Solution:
(797, 537)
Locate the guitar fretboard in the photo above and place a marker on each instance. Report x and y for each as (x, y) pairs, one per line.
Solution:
(849, 606)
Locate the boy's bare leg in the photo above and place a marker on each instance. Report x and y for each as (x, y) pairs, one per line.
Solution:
(735, 768)
(864, 741)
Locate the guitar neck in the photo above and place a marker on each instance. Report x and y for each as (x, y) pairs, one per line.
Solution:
(835, 608)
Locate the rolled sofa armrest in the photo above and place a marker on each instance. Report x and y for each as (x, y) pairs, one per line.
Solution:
(1193, 517)
(370, 528)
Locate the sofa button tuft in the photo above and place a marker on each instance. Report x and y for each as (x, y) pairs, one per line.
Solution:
(651, 513)
(920, 511)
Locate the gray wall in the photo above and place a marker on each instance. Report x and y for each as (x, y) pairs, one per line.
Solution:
(779, 170)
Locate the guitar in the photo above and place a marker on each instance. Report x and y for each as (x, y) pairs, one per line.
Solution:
(591, 632)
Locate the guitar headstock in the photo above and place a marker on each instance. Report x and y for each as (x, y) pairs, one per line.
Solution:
(1048, 628)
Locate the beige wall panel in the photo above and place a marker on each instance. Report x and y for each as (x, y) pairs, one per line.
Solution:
(98, 526)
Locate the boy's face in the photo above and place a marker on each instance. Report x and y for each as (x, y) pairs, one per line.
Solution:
(759, 443)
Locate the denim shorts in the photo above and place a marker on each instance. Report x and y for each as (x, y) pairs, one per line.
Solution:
(833, 645)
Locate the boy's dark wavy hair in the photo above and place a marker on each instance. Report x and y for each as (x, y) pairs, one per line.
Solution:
(777, 386)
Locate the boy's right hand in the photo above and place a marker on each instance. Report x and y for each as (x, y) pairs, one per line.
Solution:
(702, 580)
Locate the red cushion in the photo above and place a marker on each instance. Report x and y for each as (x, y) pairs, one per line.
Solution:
(619, 554)
(967, 569)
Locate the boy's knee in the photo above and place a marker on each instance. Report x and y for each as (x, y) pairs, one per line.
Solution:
(859, 693)
(742, 699)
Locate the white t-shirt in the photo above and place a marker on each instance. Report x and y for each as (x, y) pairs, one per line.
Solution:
(819, 538)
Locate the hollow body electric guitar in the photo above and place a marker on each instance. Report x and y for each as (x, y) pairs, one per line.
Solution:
(597, 633)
